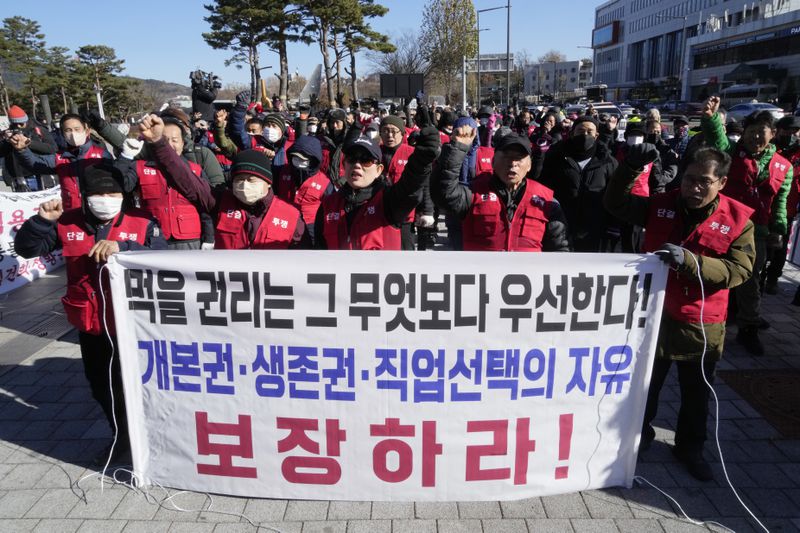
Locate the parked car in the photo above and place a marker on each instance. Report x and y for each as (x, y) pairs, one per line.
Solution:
(740, 111)
(577, 109)
(612, 109)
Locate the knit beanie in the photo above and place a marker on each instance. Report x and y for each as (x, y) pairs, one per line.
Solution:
(252, 162)
(102, 178)
(395, 121)
(276, 120)
(17, 115)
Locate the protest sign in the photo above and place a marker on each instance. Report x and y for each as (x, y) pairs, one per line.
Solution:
(386, 375)
(16, 208)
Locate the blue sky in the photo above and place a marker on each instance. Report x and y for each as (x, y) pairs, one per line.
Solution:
(161, 39)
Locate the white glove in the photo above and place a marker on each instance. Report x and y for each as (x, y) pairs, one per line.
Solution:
(131, 147)
(425, 221)
(207, 246)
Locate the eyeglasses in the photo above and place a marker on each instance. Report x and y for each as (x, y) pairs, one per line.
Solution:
(702, 183)
(364, 161)
(391, 131)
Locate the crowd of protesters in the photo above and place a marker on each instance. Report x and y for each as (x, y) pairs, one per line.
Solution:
(716, 206)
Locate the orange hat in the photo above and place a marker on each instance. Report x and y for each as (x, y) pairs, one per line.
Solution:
(16, 115)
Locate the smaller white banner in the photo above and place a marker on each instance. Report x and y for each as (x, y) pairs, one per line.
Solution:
(16, 208)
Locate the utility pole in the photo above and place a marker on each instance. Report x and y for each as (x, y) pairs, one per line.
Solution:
(508, 54)
(464, 83)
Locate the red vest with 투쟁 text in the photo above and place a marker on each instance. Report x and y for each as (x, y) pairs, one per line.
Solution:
(69, 171)
(486, 226)
(711, 238)
(177, 216)
(83, 304)
(370, 229)
(275, 232)
(742, 185)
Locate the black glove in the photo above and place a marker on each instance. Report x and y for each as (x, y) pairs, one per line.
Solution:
(671, 254)
(243, 98)
(423, 117)
(428, 144)
(640, 155)
(93, 119)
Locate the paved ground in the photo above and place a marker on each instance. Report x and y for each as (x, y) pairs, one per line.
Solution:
(50, 428)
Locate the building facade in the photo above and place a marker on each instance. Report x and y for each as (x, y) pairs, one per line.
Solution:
(689, 49)
(557, 78)
(490, 64)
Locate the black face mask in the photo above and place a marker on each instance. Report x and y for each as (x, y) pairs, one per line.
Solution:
(651, 138)
(581, 146)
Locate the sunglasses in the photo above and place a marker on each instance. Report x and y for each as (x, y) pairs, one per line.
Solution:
(363, 160)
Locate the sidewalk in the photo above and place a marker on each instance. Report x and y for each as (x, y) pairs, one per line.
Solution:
(50, 428)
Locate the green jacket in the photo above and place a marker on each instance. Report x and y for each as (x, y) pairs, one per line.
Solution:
(225, 143)
(714, 134)
(683, 341)
(196, 154)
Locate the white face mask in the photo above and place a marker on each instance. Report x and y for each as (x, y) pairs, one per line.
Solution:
(302, 164)
(104, 207)
(249, 192)
(634, 139)
(734, 138)
(75, 138)
(312, 129)
(272, 134)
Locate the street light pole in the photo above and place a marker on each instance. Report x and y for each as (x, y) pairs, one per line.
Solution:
(508, 54)
(479, 11)
(478, 61)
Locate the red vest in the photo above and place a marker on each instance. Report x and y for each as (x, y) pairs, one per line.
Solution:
(177, 217)
(307, 197)
(486, 227)
(712, 238)
(483, 162)
(275, 232)
(396, 167)
(399, 162)
(83, 304)
(221, 158)
(444, 138)
(742, 184)
(69, 170)
(641, 187)
(369, 231)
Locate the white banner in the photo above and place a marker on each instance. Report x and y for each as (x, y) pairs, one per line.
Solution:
(447, 376)
(16, 208)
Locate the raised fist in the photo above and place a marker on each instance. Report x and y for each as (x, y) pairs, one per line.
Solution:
(51, 210)
(711, 106)
(151, 128)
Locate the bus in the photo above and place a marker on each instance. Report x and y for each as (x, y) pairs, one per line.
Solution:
(596, 93)
(743, 94)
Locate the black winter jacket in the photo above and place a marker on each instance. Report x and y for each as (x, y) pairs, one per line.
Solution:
(580, 193)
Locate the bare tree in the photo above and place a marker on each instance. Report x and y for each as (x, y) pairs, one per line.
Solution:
(407, 57)
(552, 55)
